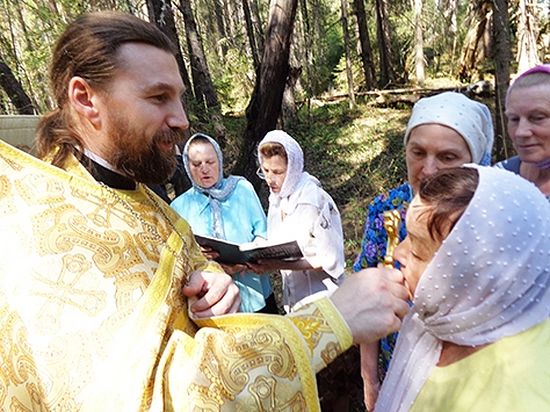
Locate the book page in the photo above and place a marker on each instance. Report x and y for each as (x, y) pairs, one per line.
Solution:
(286, 251)
(232, 253)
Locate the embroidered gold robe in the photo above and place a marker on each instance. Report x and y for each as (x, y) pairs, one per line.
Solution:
(93, 318)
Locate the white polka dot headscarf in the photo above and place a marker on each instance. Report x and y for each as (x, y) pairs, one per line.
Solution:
(488, 280)
(470, 119)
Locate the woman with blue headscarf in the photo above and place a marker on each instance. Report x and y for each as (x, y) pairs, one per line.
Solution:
(225, 208)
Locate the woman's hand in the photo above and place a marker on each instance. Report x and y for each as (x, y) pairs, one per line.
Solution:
(210, 253)
(232, 269)
(267, 265)
(369, 373)
(271, 265)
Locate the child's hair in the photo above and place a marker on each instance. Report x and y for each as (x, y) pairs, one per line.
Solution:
(448, 192)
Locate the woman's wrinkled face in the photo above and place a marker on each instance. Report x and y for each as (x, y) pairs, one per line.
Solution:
(203, 164)
(274, 172)
(528, 114)
(418, 248)
(432, 147)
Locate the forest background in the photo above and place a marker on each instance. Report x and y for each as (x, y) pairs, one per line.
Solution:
(340, 76)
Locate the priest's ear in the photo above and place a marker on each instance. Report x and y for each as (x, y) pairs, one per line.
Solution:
(84, 100)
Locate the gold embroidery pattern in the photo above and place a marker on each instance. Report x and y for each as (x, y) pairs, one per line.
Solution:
(62, 228)
(312, 326)
(336, 322)
(228, 363)
(105, 209)
(6, 203)
(19, 370)
(325, 331)
(64, 290)
(264, 391)
(331, 352)
(35, 189)
(11, 163)
(105, 351)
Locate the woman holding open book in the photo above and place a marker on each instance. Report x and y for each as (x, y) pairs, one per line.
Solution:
(225, 208)
(299, 209)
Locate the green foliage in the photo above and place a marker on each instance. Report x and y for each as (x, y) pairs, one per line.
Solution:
(324, 44)
(333, 47)
(234, 86)
(356, 154)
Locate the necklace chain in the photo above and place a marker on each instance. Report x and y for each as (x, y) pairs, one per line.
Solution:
(150, 227)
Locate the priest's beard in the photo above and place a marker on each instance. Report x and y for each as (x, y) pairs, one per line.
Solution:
(139, 157)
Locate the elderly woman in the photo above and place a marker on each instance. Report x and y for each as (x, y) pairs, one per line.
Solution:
(225, 208)
(528, 113)
(477, 260)
(445, 130)
(299, 209)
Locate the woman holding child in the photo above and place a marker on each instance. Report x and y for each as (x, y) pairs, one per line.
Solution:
(445, 130)
(477, 259)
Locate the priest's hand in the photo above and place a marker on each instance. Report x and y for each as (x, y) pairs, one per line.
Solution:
(372, 302)
(211, 294)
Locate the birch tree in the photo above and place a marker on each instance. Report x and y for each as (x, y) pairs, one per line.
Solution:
(419, 43)
(526, 35)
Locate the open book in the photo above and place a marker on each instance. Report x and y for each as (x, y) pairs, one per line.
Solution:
(232, 253)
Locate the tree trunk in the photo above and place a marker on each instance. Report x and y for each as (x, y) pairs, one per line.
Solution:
(387, 75)
(257, 22)
(317, 50)
(527, 33)
(160, 12)
(251, 35)
(202, 82)
(474, 49)
(419, 43)
(221, 27)
(228, 17)
(450, 15)
(366, 50)
(27, 77)
(289, 111)
(264, 107)
(349, 71)
(308, 48)
(14, 90)
(502, 57)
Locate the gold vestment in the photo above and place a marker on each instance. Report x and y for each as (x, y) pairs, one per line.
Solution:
(93, 317)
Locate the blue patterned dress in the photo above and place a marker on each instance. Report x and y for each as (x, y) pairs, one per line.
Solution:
(373, 249)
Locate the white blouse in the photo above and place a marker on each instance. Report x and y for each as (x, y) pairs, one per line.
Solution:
(309, 216)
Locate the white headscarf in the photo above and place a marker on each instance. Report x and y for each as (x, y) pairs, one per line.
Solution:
(295, 174)
(470, 119)
(488, 280)
(295, 163)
